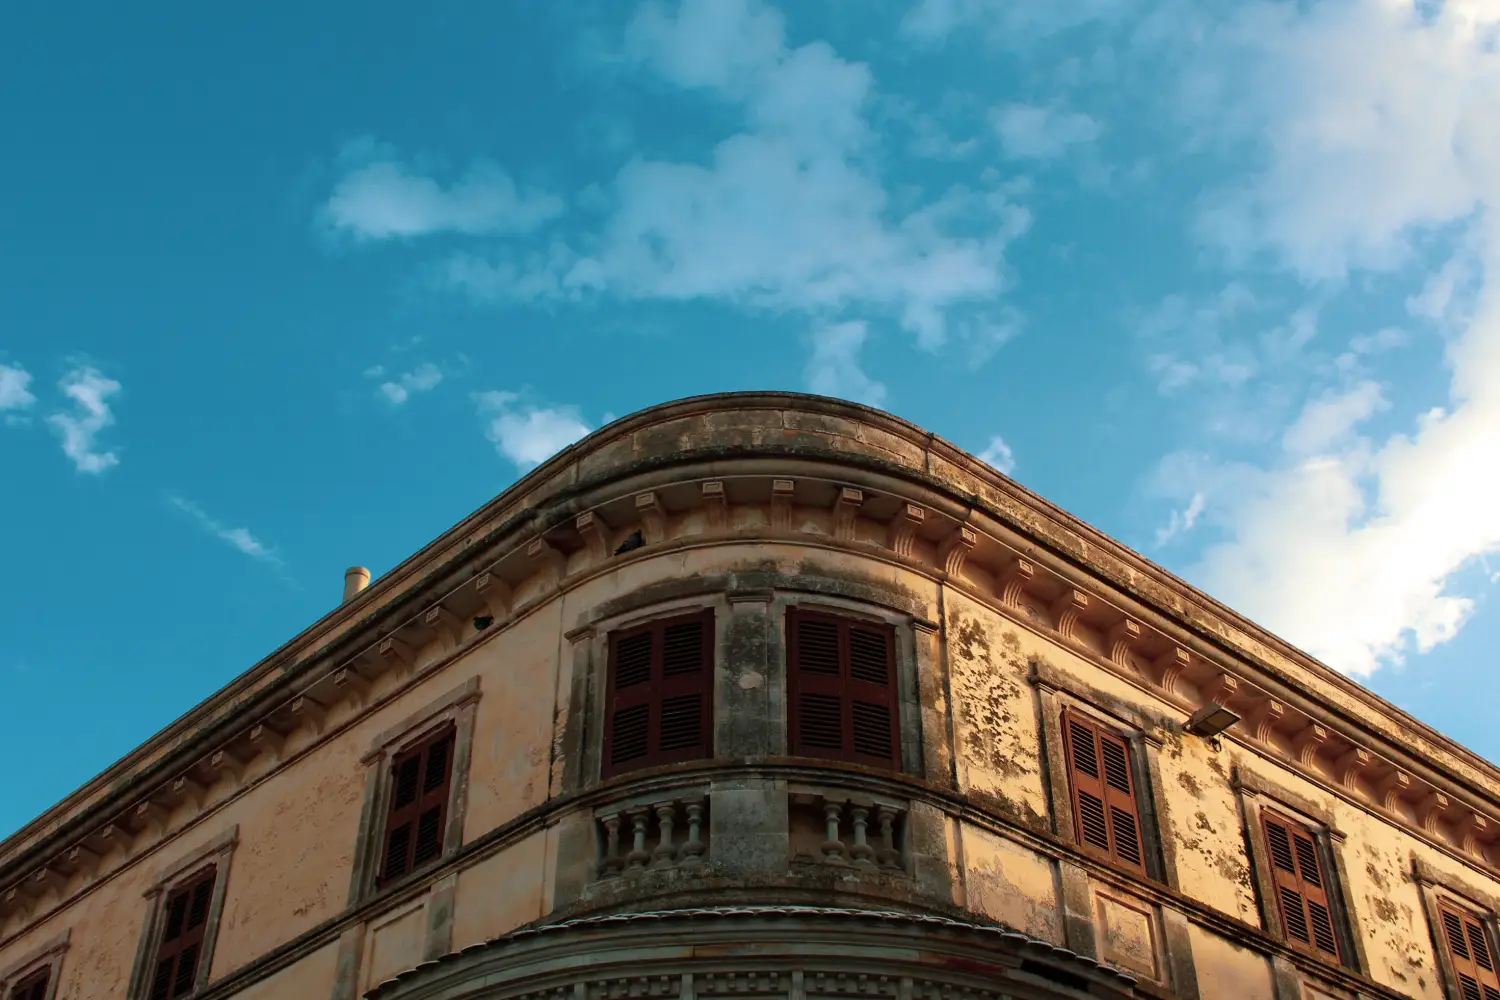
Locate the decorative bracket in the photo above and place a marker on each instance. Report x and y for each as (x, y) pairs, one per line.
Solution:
(653, 517)
(845, 510)
(392, 649)
(1307, 742)
(1473, 830)
(1014, 581)
(903, 529)
(595, 534)
(351, 682)
(266, 740)
(1393, 788)
(1266, 718)
(541, 553)
(782, 491)
(224, 762)
(1222, 688)
(448, 626)
(494, 591)
(1123, 635)
(82, 858)
(46, 878)
(185, 788)
(1066, 610)
(152, 817)
(956, 549)
(716, 504)
(1170, 666)
(305, 710)
(1351, 765)
(1431, 808)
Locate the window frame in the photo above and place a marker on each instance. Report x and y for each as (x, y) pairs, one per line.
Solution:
(1255, 798)
(659, 688)
(457, 709)
(46, 959)
(843, 687)
(1462, 912)
(1298, 882)
(217, 854)
(1069, 718)
(1440, 891)
(417, 752)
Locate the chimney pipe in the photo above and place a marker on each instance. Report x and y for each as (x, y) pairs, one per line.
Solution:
(356, 578)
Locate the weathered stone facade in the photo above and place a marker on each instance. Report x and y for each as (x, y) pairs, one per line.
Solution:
(962, 868)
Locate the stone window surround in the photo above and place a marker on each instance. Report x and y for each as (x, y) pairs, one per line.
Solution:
(1434, 886)
(1056, 692)
(48, 955)
(1254, 793)
(458, 706)
(591, 656)
(218, 852)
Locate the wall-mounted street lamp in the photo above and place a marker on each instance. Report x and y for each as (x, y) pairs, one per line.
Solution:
(1211, 720)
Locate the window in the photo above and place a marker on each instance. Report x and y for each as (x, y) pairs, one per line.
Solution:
(660, 693)
(421, 777)
(34, 986)
(1106, 816)
(1301, 885)
(1469, 952)
(180, 951)
(842, 680)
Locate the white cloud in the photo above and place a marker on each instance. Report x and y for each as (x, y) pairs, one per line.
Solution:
(998, 455)
(239, 538)
(423, 378)
(1033, 132)
(1373, 128)
(528, 435)
(1010, 23)
(14, 391)
(833, 369)
(1182, 521)
(89, 391)
(387, 199)
(788, 214)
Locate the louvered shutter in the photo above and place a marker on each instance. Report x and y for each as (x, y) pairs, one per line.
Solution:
(1105, 812)
(1469, 951)
(842, 674)
(421, 777)
(1301, 885)
(33, 987)
(179, 950)
(660, 693)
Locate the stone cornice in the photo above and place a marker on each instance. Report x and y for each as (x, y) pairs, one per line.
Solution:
(958, 521)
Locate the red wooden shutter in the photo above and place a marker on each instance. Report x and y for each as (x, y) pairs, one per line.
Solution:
(421, 777)
(1301, 885)
(1106, 816)
(1469, 951)
(33, 987)
(842, 674)
(179, 950)
(660, 693)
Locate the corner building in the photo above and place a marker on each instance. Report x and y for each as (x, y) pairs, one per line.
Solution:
(768, 695)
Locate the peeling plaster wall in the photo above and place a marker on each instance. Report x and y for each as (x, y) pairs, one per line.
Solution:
(1200, 815)
(311, 977)
(1226, 970)
(1010, 884)
(501, 893)
(997, 745)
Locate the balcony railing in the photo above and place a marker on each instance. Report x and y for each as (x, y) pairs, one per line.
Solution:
(668, 833)
(856, 831)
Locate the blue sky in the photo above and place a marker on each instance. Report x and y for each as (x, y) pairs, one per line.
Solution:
(289, 289)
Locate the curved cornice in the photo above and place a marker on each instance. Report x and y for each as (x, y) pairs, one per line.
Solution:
(793, 430)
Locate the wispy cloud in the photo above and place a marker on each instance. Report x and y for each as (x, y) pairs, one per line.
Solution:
(15, 395)
(998, 455)
(400, 388)
(383, 198)
(239, 539)
(90, 392)
(834, 369)
(1181, 521)
(525, 434)
(1035, 132)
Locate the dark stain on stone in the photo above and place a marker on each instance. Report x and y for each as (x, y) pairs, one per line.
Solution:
(1190, 783)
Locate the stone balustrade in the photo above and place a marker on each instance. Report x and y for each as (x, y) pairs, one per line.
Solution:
(669, 833)
(858, 832)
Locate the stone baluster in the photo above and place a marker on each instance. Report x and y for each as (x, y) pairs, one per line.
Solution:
(612, 860)
(833, 847)
(666, 850)
(692, 851)
(638, 854)
(861, 852)
(888, 856)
